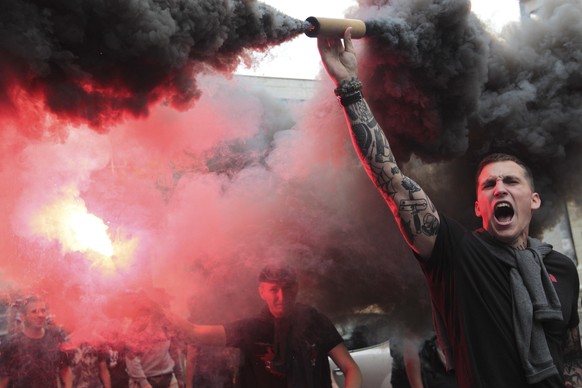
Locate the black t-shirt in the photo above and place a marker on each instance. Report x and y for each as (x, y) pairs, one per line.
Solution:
(471, 290)
(312, 340)
(33, 363)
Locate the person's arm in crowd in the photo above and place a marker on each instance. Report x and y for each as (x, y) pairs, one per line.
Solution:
(4, 381)
(66, 374)
(191, 355)
(104, 374)
(177, 355)
(135, 370)
(410, 354)
(342, 358)
(415, 214)
(211, 335)
(573, 358)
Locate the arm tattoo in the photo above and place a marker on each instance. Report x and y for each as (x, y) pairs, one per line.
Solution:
(373, 147)
(372, 143)
(359, 112)
(572, 358)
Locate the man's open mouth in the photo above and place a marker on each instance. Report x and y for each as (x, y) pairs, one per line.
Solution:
(503, 212)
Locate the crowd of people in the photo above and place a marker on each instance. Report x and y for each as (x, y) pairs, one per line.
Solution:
(35, 352)
(286, 345)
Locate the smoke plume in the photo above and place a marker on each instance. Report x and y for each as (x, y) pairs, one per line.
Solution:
(96, 61)
(452, 91)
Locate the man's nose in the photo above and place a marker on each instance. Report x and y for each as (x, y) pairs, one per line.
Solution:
(500, 188)
(280, 294)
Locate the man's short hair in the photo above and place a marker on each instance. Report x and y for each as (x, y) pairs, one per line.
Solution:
(502, 157)
(23, 305)
(280, 273)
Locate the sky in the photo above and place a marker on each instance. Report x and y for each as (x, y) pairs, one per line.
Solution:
(281, 61)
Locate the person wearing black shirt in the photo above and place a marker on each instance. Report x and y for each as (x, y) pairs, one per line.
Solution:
(504, 304)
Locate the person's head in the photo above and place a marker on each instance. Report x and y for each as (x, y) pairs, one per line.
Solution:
(33, 312)
(278, 287)
(506, 198)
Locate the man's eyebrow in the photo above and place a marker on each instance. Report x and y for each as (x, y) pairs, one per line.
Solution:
(503, 178)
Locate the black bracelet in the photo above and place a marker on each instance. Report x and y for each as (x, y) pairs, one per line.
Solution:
(351, 98)
(348, 87)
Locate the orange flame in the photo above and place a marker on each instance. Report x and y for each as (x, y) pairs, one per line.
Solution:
(68, 221)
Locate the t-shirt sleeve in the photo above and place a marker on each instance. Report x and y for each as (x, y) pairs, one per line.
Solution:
(449, 235)
(329, 334)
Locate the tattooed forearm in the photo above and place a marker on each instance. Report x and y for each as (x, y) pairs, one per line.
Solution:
(373, 147)
(359, 111)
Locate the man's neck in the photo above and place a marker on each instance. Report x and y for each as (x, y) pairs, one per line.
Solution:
(33, 332)
(520, 243)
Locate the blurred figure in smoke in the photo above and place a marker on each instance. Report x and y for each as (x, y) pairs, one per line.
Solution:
(419, 363)
(154, 358)
(504, 304)
(89, 365)
(115, 350)
(33, 357)
(286, 345)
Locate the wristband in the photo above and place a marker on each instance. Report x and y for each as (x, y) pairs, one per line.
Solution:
(348, 87)
(351, 98)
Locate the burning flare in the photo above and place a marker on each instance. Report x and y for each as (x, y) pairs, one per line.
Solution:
(67, 221)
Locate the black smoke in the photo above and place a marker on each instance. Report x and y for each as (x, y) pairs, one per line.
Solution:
(95, 61)
(448, 91)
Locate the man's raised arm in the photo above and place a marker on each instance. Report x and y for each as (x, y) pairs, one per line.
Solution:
(415, 214)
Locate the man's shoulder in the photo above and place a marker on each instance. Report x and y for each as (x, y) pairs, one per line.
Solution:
(15, 338)
(558, 258)
(244, 323)
(57, 333)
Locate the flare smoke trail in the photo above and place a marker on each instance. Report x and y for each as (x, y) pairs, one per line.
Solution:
(93, 61)
(451, 91)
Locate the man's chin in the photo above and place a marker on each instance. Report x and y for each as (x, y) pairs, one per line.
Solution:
(503, 233)
(281, 313)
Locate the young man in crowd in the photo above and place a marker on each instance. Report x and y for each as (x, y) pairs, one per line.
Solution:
(504, 304)
(33, 357)
(286, 346)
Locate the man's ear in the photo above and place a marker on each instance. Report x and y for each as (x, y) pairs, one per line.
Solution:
(536, 201)
(477, 209)
(261, 292)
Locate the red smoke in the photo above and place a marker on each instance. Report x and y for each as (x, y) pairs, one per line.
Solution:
(203, 198)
